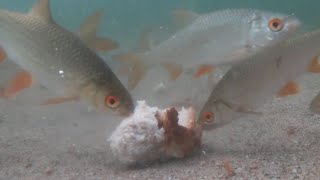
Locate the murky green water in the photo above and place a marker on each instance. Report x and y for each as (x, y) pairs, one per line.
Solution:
(124, 19)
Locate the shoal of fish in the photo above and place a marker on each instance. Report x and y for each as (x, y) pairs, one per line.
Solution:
(259, 45)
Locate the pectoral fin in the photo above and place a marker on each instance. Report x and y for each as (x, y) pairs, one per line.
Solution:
(240, 108)
(60, 100)
(203, 70)
(20, 82)
(288, 89)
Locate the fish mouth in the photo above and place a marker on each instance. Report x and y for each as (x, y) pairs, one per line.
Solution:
(126, 111)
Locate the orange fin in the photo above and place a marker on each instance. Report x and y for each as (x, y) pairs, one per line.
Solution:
(60, 100)
(20, 82)
(3, 55)
(138, 70)
(173, 69)
(203, 70)
(314, 66)
(88, 33)
(290, 88)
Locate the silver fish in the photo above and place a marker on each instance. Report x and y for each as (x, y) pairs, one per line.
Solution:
(62, 61)
(248, 85)
(222, 37)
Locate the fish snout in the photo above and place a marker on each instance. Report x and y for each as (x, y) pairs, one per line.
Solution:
(293, 23)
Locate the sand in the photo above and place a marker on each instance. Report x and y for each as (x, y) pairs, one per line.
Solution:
(69, 142)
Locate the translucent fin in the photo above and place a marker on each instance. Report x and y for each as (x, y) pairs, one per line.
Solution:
(144, 42)
(88, 33)
(182, 18)
(138, 70)
(60, 100)
(174, 70)
(240, 109)
(42, 10)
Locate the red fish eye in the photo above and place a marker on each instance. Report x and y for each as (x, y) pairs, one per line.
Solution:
(208, 116)
(275, 24)
(112, 101)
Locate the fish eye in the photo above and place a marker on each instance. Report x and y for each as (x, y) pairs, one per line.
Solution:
(208, 117)
(112, 101)
(275, 24)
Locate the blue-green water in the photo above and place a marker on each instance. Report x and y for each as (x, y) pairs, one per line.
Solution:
(124, 19)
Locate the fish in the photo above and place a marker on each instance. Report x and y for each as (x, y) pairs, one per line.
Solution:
(62, 61)
(222, 37)
(271, 72)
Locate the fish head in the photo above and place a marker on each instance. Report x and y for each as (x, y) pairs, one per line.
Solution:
(212, 115)
(268, 29)
(115, 98)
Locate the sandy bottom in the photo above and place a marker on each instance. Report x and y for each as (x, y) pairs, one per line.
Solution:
(68, 142)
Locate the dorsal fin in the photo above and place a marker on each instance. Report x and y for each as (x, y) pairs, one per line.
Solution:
(88, 33)
(183, 18)
(89, 28)
(42, 10)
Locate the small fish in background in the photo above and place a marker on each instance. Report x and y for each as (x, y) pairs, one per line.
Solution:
(62, 61)
(205, 41)
(248, 85)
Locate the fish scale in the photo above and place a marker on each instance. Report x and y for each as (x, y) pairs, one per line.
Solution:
(59, 59)
(249, 85)
(223, 37)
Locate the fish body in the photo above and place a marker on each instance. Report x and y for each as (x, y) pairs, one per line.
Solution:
(222, 37)
(60, 60)
(248, 85)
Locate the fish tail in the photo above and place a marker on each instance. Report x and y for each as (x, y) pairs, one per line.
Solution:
(138, 70)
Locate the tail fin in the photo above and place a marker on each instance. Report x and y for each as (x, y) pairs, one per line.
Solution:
(138, 70)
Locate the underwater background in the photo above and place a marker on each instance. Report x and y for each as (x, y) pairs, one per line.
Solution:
(124, 19)
(68, 142)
